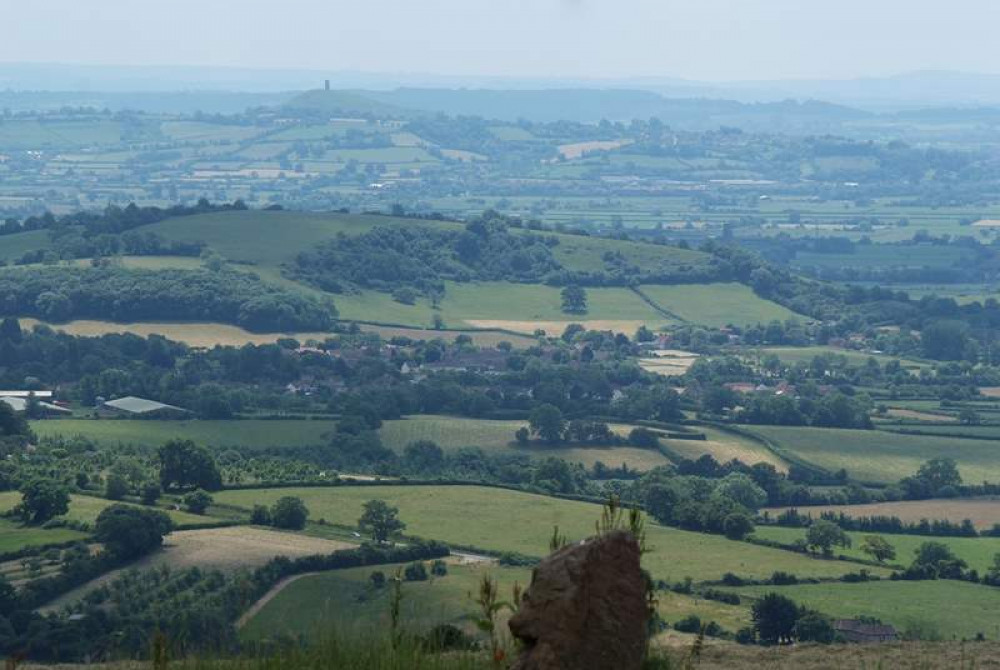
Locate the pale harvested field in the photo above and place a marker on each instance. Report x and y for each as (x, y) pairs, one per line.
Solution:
(233, 548)
(990, 391)
(665, 366)
(983, 512)
(668, 362)
(987, 223)
(552, 328)
(919, 416)
(723, 447)
(485, 338)
(578, 149)
(194, 334)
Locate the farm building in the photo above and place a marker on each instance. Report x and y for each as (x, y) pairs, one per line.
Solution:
(20, 404)
(41, 395)
(140, 407)
(853, 630)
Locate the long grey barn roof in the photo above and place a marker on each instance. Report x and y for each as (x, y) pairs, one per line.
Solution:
(135, 405)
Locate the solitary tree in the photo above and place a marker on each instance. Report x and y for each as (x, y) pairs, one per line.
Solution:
(737, 526)
(939, 473)
(574, 300)
(150, 493)
(380, 520)
(547, 422)
(129, 532)
(197, 501)
(774, 618)
(183, 464)
(824, 535)
(878, 548)
(814, 627)
(115, 488)
(289, 512)
(43, 499)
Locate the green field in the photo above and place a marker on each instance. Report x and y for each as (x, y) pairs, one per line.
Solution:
(983, 432)
(246, 433)
(503, 520)
(880, 456)
(12, 247)
(978, 552)
(450, 433)
(497, 437)
(264, 241)
(14, 536)
(85, 509)
(344, 600)
(952, 609)
(883, 256)
(499, 304)
(266, 238)
(31, 134)
(792, 355)
(717, 304)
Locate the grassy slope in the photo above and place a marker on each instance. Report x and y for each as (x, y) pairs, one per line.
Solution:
(954, 609)
(503, 301)
(13, 247)
(268, 238)
(249, 433)
(343, 599)
(509, 520)
(717, 304)
(86, 508)
(872, 455)
(978, 552)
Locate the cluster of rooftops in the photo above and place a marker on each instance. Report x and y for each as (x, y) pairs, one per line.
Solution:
(130, 405)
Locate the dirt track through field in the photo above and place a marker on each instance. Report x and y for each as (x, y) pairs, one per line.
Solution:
(267, 597)
(227, 549)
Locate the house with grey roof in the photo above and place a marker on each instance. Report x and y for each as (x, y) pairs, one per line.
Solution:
(854, 630)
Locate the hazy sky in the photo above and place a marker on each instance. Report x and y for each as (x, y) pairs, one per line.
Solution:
(698, 39)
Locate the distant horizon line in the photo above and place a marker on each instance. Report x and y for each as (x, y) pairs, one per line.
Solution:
(565, 78)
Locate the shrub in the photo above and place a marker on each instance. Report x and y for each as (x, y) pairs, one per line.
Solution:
(260, 515)
(197, 501)
(150, 493)
(129, 532)
(689, 624)
(445, 637)
(289, 512)
(377, 579)
(116, 488)
(737, 526)
(439, 568)
(731, 579)
(415, 572)
(814, 627)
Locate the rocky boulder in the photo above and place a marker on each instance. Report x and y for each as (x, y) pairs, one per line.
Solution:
(585, 609)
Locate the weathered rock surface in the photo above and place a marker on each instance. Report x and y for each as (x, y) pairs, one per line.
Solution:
(585, 609)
